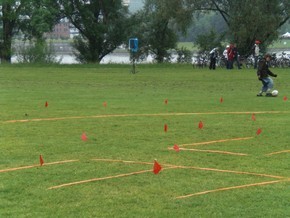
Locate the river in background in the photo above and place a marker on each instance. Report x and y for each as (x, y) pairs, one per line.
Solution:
(116, 58)
(64, 55)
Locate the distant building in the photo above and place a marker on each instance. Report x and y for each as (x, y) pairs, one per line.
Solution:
(60, 31)
(64, 30)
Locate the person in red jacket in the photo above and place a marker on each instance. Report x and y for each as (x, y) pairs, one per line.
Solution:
(231, 56)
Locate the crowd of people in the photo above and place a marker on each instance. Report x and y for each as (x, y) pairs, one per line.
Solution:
(230, 56)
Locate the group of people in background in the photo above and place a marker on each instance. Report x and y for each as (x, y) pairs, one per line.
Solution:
(231, 55)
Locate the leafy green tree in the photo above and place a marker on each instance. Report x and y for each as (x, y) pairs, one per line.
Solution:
(32, 18)
(208, 41)
(251, 20)
(102, 24)
(158, 24)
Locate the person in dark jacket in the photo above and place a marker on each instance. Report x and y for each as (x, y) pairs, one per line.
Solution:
(213, 55)
(236, 56)
(264, 74)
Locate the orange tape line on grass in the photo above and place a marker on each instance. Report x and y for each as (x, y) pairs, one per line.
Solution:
(217, 141)
(196, 168)
(226, 171)
(212, 151)
(36, 165)
(104, 178)
(229, 188)
(279, 152)
(139, 115)
(124, 161)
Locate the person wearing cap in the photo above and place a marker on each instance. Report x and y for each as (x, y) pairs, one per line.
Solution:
(264, 74)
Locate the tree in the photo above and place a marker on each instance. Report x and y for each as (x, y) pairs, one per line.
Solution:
(206, 42)
(251, 20)
(33, 18)
(158, 24)
(103, 26)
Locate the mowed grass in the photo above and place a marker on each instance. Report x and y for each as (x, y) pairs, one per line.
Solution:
(123, 117)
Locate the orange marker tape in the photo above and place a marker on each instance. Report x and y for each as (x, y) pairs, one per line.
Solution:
(36, 165)
(229, 188)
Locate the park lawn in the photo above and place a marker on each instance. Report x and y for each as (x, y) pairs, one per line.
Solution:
(227, 168)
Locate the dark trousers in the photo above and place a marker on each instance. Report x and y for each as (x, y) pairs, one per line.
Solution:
(212, 63)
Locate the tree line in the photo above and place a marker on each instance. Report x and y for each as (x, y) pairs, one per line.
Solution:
(106, 24)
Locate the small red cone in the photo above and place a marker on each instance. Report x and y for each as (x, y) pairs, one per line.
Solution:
(41, 160)
(259, 131)
(221, 100)
(176, 148)
(84, 137)
(105, 104)
(157, 167)
(253, 117)
(165, 127)
(166, 101)
(285, 98)
(46, 104)
(200, 125)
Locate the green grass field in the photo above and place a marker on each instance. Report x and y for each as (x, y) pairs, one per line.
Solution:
(224, 169)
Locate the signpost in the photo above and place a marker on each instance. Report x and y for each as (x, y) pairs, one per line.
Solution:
(133, 46)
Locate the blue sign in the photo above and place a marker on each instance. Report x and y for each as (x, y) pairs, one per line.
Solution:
(133, 44)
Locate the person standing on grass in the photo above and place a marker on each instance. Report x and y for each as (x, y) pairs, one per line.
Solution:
(236, 56)
(225, 54)
(213, 55)
(256, 53)
(230, 56)
(264, 74)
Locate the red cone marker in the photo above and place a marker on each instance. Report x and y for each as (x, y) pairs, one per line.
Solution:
(41, 160)
(176, 148)
(157, 167)
(84, 137)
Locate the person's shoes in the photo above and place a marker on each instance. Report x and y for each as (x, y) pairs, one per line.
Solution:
(259, 95)
(269, 95)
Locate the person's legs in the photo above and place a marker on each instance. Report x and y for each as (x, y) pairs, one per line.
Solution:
(270, 85)
(230, 64)
(267, 86)
(214, 63)
(211, 63)
(238, 63)
(255, 62)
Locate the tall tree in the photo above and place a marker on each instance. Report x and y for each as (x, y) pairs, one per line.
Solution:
(158, 24)
(31, 17)
(103, 26)
(251, 20)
